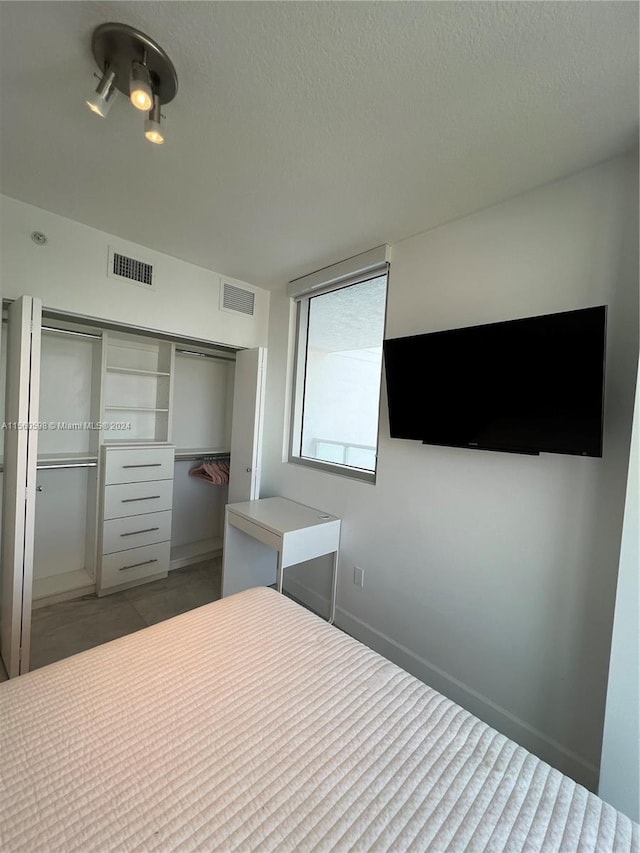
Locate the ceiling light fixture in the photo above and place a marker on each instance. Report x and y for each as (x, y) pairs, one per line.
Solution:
(152, 127)
(136, 65)
(104, 95)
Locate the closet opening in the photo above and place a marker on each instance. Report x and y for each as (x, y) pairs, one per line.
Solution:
(134, 453)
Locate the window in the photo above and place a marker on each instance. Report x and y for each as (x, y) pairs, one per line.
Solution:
(338, 373)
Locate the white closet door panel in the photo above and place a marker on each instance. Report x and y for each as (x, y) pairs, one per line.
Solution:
(21, 447)
(3, 385)
(246, 430)
(61, 521)
(137, 498)
(65, 393)
(199, 402)
(3, 376)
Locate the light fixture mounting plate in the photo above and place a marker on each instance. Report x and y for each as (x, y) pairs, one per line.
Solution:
(116, 46)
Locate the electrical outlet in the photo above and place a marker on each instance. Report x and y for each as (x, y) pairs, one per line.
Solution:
(358, 576)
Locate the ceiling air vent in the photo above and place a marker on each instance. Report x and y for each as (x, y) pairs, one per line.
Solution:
(132, 269)
(237, 299)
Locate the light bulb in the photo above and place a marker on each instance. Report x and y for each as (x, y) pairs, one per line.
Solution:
(153, 134)
(140, 87)
(104, 96)
(152, 127)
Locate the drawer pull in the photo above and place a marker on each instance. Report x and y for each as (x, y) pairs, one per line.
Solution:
(135, 565)
(136, 532)
(146, 465)
(133, 500)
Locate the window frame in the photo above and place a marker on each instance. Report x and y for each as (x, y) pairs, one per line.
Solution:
(303, 303)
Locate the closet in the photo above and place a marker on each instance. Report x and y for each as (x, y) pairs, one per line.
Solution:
(99, 497)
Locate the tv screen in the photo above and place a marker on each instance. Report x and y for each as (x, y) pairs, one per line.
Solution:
(526, 386)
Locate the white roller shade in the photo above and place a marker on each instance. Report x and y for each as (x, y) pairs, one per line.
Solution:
(341, 274)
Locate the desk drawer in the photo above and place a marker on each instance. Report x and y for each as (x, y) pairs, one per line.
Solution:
(134, 564)
(138, 465)
(121, 534)
(256, 531)
(137, 498)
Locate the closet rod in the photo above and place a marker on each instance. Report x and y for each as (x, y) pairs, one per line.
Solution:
(203, 355)
(70, 332)
(67, 465)
(196, 457)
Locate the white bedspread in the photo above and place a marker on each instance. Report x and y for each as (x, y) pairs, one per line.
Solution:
(250, 724)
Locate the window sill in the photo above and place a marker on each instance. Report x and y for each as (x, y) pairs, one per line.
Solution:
(334, 468)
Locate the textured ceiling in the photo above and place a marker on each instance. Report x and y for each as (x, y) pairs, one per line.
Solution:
(303, 133)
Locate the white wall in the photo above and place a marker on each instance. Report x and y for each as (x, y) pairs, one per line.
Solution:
(492, 576)
(69, 274)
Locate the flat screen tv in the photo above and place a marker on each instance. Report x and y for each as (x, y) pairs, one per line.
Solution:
(534, 385)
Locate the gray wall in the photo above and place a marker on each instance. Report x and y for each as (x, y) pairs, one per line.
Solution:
(491, 576)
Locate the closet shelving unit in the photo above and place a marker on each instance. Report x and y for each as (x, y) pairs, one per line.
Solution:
(170, 395)
(183, 397)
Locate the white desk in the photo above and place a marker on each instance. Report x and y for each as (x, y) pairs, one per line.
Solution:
(291, 532)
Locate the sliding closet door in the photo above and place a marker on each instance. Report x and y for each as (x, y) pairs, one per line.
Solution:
(20, 458)
(246, 427)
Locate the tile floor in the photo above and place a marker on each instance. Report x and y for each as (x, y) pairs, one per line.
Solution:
(64, 629)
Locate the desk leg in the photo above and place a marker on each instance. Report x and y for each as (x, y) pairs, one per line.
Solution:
(334, 589)
(279, 573)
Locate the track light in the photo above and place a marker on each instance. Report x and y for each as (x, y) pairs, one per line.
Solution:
(104, 95)
(152, 128)
(134, 64)
(140, 88)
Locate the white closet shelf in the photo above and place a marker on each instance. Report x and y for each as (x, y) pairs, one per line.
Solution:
(195, 552)
(80, 456)
(66, 585)
(133, 409)
(183, 453)
(136, 442)
(134, 371)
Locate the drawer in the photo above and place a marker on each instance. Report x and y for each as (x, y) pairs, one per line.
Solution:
(134, 564)
(137, 498)
(120, 534)
(136, 465)
(256, 531)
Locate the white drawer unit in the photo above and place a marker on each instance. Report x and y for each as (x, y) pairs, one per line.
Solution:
(135, 525)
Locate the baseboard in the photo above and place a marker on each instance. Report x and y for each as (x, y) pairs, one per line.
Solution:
(183, 562)
(499, 718)
(307, 596)
(60, 597)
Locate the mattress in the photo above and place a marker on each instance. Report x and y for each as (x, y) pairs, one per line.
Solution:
(250, 724)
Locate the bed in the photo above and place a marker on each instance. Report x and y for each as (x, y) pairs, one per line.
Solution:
(251, 724)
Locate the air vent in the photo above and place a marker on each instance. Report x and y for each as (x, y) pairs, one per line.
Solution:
(134, 270)
(237, 299)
